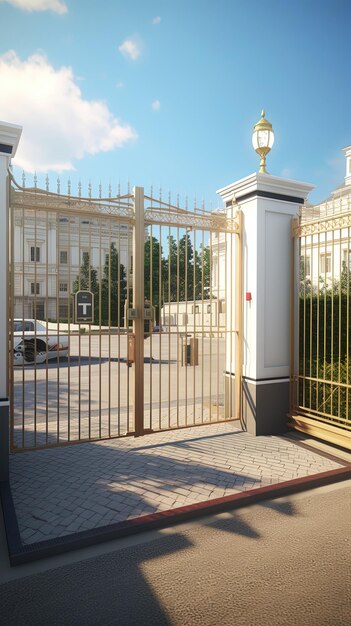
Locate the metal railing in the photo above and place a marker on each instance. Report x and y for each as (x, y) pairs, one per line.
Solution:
(321, 381)
(71, 382)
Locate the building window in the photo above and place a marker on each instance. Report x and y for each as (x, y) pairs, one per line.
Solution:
(65, 310)
(35, 289)
(39, 311)
(305, 265)
(63, 220)
(85, 256)
(326, 263)
(346, 257)
(208, 308)
(196, 309)
(63, 257)
(64, 287)
(34, 253)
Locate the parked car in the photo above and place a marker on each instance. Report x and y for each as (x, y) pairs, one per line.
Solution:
(33, 342)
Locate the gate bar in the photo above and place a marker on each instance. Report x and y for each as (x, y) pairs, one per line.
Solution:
(239, 318)
(138, 304)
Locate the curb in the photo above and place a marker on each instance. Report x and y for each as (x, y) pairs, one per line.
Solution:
(24, 553)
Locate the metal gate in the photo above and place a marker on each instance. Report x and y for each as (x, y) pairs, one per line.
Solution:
(321, 333)
(163, 323)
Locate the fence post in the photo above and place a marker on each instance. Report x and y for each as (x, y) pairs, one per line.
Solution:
(9, 137)
(138, 304)
(267, 203)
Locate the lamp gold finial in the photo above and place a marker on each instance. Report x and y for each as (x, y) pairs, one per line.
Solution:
(262, 140)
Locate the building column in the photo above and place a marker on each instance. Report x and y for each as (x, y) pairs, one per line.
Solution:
(9, 138)
(267, 203)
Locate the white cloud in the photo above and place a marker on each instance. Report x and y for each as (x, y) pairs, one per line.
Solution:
(156, 105)
(130, 48)
(156, 20)
(58, 124)
(120, 84)
(57, 6)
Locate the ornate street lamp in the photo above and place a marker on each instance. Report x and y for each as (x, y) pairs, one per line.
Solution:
(263, 140)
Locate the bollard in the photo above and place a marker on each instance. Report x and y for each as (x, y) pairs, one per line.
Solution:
(130, 349)
(189, 351)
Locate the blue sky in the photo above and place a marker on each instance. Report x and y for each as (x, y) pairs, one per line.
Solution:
(166, 93)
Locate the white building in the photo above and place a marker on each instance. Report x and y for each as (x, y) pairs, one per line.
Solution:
(324, 255)
(201, 315)
(49, 250)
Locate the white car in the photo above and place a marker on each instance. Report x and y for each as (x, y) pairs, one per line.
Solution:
(33, 342)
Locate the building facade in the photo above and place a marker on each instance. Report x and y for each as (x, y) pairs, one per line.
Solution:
(325, 257)
(50, 251)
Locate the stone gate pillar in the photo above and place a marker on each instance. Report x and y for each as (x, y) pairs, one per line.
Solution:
(9, 138)
(267, 203)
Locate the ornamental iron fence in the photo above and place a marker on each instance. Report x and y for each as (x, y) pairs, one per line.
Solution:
(147, 348)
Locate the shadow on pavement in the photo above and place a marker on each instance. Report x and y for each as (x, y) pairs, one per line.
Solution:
(110, 589)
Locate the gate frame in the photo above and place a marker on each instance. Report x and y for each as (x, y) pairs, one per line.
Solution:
(10, 135)
(132, 208)
(297, 418)
(231, 225)
(138, 304)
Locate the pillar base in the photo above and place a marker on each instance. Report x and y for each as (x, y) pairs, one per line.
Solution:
(265, 405)
(4, 439)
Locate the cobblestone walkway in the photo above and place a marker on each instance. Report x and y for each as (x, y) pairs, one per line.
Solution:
(64, 490)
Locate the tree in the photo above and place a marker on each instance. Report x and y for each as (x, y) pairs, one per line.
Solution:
(178, 270)
(305, 283)
(177, 267)
(87, 280)
(345, 279)
(171, 270)
(202, 273)
(113, 289)
(155, 273)
(186, 269)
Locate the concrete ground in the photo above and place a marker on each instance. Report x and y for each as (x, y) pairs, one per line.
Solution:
(284, 562)
(62, 491)
(90, 394)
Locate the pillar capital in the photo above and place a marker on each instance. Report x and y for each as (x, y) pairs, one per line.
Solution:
(10, 135)
(265, 186)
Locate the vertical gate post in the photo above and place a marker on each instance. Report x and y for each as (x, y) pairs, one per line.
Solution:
(9, 137)
(138, 304)
(294, 320)
(267, 204)
(238, 298)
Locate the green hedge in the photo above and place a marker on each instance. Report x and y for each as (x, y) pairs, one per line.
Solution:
(324, 327)
(324, 335)
(329, 397)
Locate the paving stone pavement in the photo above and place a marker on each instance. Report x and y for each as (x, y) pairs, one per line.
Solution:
(64, 490)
